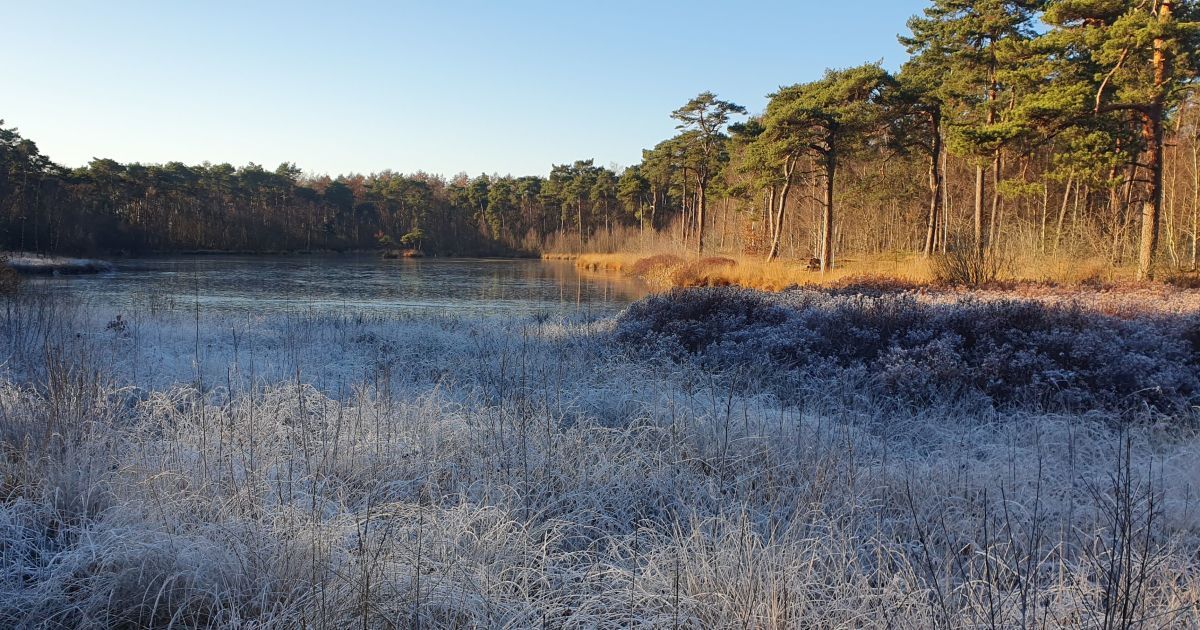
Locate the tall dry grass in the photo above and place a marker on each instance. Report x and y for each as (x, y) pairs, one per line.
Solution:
(663, 270)
(666, 270)
(618, 238)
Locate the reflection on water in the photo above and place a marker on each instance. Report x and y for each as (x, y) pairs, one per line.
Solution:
(362, 284)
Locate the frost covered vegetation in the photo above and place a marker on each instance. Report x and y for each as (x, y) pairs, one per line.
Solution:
(979, 355)
(720, 459)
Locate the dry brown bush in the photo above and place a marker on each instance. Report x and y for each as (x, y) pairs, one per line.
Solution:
(962, 265)
(705, 272)
(654, 263)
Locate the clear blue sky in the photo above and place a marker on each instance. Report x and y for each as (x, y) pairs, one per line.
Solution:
(441, 86)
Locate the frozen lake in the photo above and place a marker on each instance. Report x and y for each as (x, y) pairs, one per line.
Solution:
(267, 284)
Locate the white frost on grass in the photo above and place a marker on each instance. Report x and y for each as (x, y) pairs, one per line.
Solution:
(347, 471)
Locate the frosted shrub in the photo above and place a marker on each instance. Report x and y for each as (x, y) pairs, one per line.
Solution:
(1013, 353)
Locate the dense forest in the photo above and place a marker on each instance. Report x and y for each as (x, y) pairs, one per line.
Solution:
(1046, 128)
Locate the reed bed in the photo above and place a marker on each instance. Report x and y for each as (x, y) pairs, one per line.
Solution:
(1027, 276)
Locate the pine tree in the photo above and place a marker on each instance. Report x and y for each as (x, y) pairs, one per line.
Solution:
(702, 121)
(1144, 54)
(961, 51)
(828, 120)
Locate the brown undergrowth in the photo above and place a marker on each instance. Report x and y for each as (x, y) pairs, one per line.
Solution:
(1105, 288)
(665, 270)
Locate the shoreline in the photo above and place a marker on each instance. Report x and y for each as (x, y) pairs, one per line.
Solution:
(37, 265)
(887, 273)
(32, 263)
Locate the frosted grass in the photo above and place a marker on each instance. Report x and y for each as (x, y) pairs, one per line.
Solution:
(172, 470)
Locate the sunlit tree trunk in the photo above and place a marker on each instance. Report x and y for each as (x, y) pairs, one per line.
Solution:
(946, 205)
(1062, 212)
(935, 188)
(724, 219)
(781, 205)
(1171, 189)
(977, 218)
(1195, 195)
(1152, 206)
(579, 217)
(769, 218)
(1152, 136)
(827, 215)
(994, 218)
(1045, 217)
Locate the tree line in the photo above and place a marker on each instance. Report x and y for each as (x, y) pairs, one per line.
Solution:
(1047, 127)
(107, 206)
(1007, 106)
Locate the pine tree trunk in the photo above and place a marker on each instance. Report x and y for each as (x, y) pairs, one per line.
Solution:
(947, 207)
(935, 188)
(1062, 213)
(994, 219)
(777, 233)
(579, 217)
(777, 223)
(1152, 206)
(724, 220)
(701, 207)
(978, 213)
(827, 216)
(1171, 189)
(1045, 213)
(653, 208)
(769, 221)
(685, 222)
(1152, 135)
(1195, 197)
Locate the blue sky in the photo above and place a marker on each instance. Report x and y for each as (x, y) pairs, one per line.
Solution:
(448, 86)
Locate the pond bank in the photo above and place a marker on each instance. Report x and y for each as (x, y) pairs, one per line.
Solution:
(34, 264)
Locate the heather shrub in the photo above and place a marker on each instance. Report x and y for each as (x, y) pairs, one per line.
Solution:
(692, 320)
(872, 285)
(1189, 327)
(1183, 280)
(1019, 354)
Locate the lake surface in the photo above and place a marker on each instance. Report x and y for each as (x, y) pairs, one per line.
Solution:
(267, 284)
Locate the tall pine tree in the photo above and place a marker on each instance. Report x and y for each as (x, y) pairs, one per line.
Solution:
(1144, 55)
